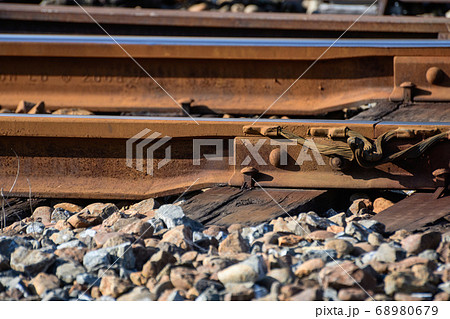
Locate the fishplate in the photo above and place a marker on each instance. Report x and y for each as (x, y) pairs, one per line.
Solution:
(421, 79)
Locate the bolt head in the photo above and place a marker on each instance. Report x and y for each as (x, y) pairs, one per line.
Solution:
(249, 170)
(336, 162)
(407, 85)
(275, 157)
(434, 75)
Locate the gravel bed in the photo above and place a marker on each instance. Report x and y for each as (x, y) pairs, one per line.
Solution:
(151, 252)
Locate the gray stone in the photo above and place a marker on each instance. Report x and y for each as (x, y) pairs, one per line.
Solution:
(107, 298)
(125, 273)
(146, 206)
(89, 242)
(157, 224)
(250, 270)
(192, 224)
(346, 237)
(203, 284)
(342, 247)
(75, 294)
(253, 233)
(429, 254)
(389, 253)
(87, 237)
(373, 225)
(69, 271)
(260, 291)
(17, 283)
(123, 254)
(445, 287)
(445, 237)
(300, 229)
(357, 231)
(87, 233)
(314, 220)
(35, 244)
(368, 257)
(72, 244)
(220, 236)
(9, 244)
(137, 294)
(197, 236)
(330, 294)
(58, 294)
(100, 209)
(84, 297)
(330, 213)
(63, 236)
(375, 239)
(210, 294)
(175, 296)
(283, 275)
(250, 234)
(10, 280)
(31, 261)
(338, 219)
(47, 243)
(97, 259)
(123, 223)
(325, 254)
(47, 250)
(8, 275)
(48, 232)
(60, 214)
(88, 279)
(171, 215)
(35, 228)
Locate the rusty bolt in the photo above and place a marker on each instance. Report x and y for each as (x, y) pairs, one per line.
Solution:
(249, 172)
(407, 85)
(434, 75)
(407, 91)
(275, 157)
(337, 163)
(186, 104)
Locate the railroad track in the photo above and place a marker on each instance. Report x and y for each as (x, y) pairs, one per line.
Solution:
(139, 157)
(19, 18)
(211, 76)
(251, 171)
(221, 75)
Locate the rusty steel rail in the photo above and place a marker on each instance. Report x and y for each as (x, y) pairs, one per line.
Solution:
(20, 18)
(225, 75)
(134, 157)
